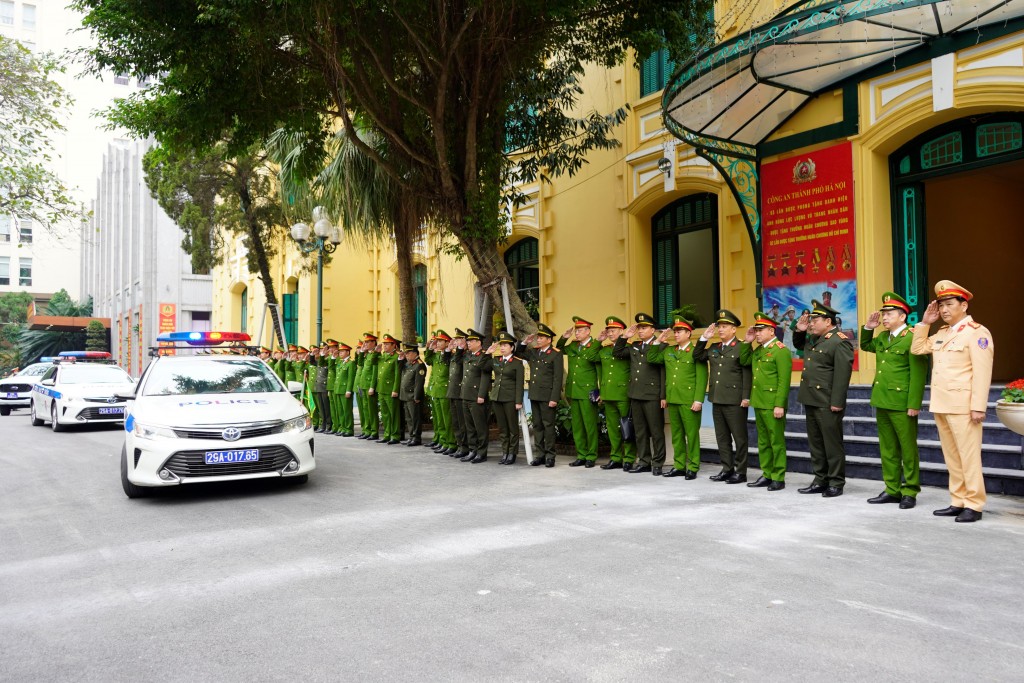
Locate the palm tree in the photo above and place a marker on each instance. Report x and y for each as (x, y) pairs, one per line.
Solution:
(34, 344)
(350, 184)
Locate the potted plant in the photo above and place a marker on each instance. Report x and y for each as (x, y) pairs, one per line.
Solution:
(1010, 408)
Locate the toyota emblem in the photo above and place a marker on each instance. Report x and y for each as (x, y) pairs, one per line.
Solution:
(111, 399)
(231, 434)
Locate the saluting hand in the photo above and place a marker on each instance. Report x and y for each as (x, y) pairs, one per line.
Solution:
(874, 320)
(663, 337)
(567, 333)
(803, 321)
(931, 314)
(710, 331)
(602, 336)
(492, 348)
(630, 332)
(749, 336)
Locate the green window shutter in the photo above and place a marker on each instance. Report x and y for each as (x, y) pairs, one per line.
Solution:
(244, 311)
(665, 279)
(291, 317)
(419, 279)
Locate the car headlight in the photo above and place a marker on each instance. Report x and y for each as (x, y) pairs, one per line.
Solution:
(298, 424)
(143, 431)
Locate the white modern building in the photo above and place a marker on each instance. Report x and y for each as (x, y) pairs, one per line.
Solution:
(132, 264)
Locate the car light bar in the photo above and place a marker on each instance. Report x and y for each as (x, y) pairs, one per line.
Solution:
(203, 338)
(47, 359)
(84, 354)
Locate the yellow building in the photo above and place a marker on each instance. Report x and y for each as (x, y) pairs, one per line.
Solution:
(923, 100)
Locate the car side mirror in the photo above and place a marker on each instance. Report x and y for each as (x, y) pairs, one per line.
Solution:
(294, 387)
(48, 382)
(124, 397)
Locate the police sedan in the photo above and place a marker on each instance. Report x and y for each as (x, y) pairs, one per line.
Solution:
(212, 418)
(16, 390)
(78, 393)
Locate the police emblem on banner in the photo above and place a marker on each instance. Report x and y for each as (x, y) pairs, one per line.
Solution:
(804, 172)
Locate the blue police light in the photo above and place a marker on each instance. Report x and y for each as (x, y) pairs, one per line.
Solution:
(85, 354)
(47, 359)
(203, 338)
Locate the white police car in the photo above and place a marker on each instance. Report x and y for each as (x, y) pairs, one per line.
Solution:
(16, 390)
(74, 391)
(212, 418)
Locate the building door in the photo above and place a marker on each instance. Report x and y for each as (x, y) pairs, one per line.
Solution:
(685, 239)
(419, 287)
(957, 198)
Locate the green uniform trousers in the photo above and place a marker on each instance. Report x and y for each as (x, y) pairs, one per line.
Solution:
(731, 425)
(828, 454)
(372, 424)
(332, 400)
(543, 418)
(346, 420)
(584, 427)
(476, 426)
(441, 410)
(508, 426)
(771, 443)
(685, 437)
(649, 425)
(457, 409)
(390, 419)
(364, 411)
(897, 441)
(622, 451)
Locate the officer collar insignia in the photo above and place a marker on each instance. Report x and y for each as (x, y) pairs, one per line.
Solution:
(828, 335)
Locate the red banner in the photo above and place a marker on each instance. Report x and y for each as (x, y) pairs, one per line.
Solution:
(807, 240)
(168, 323)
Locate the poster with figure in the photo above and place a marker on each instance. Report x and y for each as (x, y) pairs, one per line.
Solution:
(807, 240)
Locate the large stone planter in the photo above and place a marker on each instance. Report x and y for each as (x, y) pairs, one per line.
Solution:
(1011, 415)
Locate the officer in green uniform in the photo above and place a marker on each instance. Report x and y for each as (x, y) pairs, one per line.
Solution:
(646, 395)
(546, 372)
(332, 378)
(476, 382)
(729, 392)
(438, 358)
(614, 385)
(456, 349)
(581, 388)
(280, 365)
(686, 382)
(507, 394)
(320, 388)
(313, 365)
(388, 377)
(369, 416)
(344, 389)
(828, 365)
(896, 394)
(411, 393)
(291, 364)
(772, 365)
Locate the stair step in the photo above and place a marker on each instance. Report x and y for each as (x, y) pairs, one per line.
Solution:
(995, 433)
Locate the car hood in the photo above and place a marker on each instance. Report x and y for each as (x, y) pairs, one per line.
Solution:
(94, 390)
(215, 409)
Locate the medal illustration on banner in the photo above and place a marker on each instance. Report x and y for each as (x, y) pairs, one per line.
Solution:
(830, 265)
(771, 265)
(847, 258)
(785, 264)
(800, 267)
(816, 261)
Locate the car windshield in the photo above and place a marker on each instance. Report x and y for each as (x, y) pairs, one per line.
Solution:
(94, 374)
(35, 370)
(228, 376)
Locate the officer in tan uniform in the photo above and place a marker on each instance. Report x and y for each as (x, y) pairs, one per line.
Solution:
(962, 353)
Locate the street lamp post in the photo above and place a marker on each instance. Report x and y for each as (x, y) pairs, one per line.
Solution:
(325, 239)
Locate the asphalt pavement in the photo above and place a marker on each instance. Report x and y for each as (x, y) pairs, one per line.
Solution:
(398, 564)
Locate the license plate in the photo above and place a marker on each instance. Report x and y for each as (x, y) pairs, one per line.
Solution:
(111, 411)
(228, 457)
(12, 394)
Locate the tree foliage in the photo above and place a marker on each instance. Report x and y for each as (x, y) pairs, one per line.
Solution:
(13, 314)
(31, 105)
(34, 344)
(97, 338)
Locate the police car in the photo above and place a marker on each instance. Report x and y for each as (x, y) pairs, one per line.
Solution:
(212, 418)
(78, 390)
(16, 390)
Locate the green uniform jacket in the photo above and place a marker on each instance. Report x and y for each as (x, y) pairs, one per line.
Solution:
(686, 379)
(413, 376)
(360, 359)
(437, 387)
(476, 375)
(369, 378)
(454, 360)
(387, 373)
(546, 372)
(345, 376)
(614, 375)
(281, 369)
(508, 380)
(828, 365)
(772, 366)
(291, 371)
(332, 372)
(899, 375)
(646, 381)
(583, 367)
(728, 370)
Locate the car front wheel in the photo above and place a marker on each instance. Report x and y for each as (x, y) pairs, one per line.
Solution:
(5, 411)
(130, 489)
(56, 426)
(36, 422)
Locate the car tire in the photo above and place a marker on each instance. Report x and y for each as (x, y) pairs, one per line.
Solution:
(5, 411)
(54, 425)
(299, 480)
(130, 489)
(36, 422)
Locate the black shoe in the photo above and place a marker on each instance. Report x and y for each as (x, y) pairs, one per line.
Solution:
(721, 476)
(318, 430)
(504, 459)
(776, 486)
(549, 463)
(537, 462)
(907, 502)
(690, 476)
(468, 456)
(590, 463)
(951, 511)
(414, 443)
(674, 473)
(628, 466)
(348, 434)
(969, 515)
(458, 454)
(813, 488)
(511, 459)
(578, 462)
(640, 469)
(431, 444)
(884, 497)
(612, 465)
(373, 437)
(393, 442)
(760, 482)
(735, 478)
(362, 436)
(656, 471)
(439, 448)
(832, 492)
(479, 459)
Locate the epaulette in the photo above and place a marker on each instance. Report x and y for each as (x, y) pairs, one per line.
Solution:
(974, 324)
(516, 358)
(828, 335)
(841, 335)
(905, 332)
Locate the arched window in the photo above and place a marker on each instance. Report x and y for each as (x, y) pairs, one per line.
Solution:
(419, 288)
(244, 308)
(523, 265)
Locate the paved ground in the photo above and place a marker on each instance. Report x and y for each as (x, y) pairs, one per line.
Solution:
(397, 564)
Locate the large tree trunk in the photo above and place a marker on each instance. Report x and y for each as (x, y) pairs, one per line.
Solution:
(259, 250)
(406, 230)
(490, 270)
